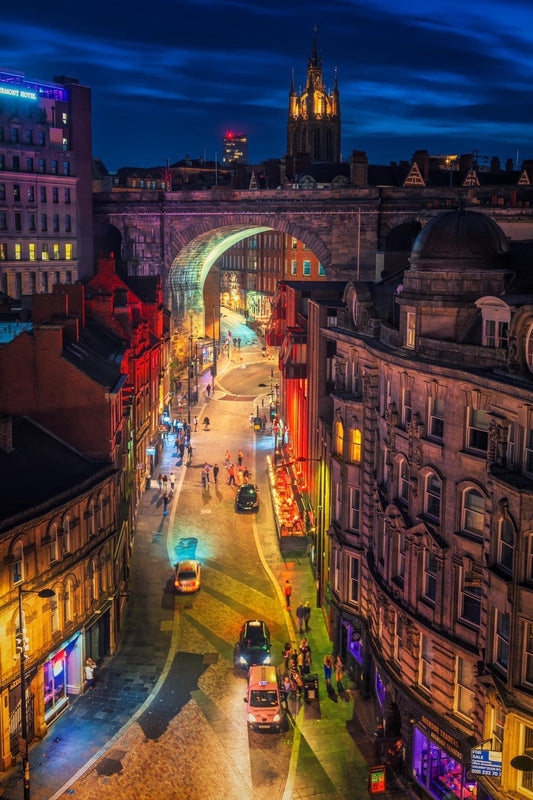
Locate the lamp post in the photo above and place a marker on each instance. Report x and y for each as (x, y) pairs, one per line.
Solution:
(22, 647)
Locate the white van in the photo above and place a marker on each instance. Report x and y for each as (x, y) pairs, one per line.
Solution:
(264, 699)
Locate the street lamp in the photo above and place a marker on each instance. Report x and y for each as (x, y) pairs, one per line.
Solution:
(214, 367)
(22, 647)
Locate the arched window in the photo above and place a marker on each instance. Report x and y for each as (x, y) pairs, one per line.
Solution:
(505, 545)
(91, 522)
(433, 496)
(339, 438)
(18, 563)
(403, 480)
(52, 532)
(355, 445)
(68, 597)
(473, 512)
(66, 535)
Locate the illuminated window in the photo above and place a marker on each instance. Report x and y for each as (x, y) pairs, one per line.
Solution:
(44, 252)
(18, 252)
(3, 251)
(64, 118)
(307, 268)
(464, 680)
(68, 251)
(67, 602)
(339, 438)
(31, 251)
(355, 446)
(410, 329)
(56, 251)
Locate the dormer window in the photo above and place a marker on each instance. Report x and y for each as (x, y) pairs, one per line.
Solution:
(496, 315)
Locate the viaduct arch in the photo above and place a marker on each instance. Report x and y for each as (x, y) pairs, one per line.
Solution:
(355, 233)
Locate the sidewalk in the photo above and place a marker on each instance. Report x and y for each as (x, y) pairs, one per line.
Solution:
(333, 735)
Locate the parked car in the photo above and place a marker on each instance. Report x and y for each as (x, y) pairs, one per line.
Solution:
(253, 647)
(264, 701)
(247, 498)
(187, 576)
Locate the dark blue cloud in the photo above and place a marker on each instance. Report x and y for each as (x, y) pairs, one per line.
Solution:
(168, 78)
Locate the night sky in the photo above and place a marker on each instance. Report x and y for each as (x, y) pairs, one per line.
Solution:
(169, 78)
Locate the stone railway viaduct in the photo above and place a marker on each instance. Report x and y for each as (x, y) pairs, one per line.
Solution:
(356, 233)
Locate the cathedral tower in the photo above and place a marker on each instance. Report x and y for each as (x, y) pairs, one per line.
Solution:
(314, 120)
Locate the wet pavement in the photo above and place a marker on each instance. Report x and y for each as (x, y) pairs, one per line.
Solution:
(154, 708)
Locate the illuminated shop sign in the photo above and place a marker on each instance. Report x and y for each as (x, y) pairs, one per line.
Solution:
(442, 737)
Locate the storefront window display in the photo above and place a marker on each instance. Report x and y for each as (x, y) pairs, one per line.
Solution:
(55, 690)
(355, 645)
(438, 772)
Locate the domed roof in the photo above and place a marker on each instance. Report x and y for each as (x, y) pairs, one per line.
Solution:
(459, 240)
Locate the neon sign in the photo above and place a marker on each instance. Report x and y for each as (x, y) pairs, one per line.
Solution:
(23, 94)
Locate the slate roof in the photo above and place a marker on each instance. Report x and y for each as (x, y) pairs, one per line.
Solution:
(99, 354)
(39, 470)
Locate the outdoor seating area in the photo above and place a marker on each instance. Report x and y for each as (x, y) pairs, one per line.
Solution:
(288, 507)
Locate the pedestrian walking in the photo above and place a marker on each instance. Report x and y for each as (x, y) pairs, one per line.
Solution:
(204, 479)
(300, 617)
(245, 474)
(165, 484)
(307, 658)
(286, 652)
(328, 666)
(160, 481)
(208, 389)
(240, 478)
(339, 672)
(181, 450)
(231, 471)
(172, 481)
(165, 504)
(90, 667)
(307, 615)
(195, 423)
(252, 420)
(263, 422)
(206, 423)
(207, 470)
(215, 473)
(227, 459)
(287, 591)
(189, 454)
(240, 457)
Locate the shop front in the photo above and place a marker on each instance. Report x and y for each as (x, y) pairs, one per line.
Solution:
(440, 762)
(62, 676)
(350, 645)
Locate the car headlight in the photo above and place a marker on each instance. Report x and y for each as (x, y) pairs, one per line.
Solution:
(251, 718)
(267, 659)
(276, 718)
(243, 660)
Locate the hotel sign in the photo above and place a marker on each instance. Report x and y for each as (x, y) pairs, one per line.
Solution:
(23, 94)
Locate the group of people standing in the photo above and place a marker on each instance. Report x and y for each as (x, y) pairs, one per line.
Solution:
(237, 475)
(298, 663)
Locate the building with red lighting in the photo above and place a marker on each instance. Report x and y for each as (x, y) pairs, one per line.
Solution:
(418, 466)
(46, 233)
(234, 149)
